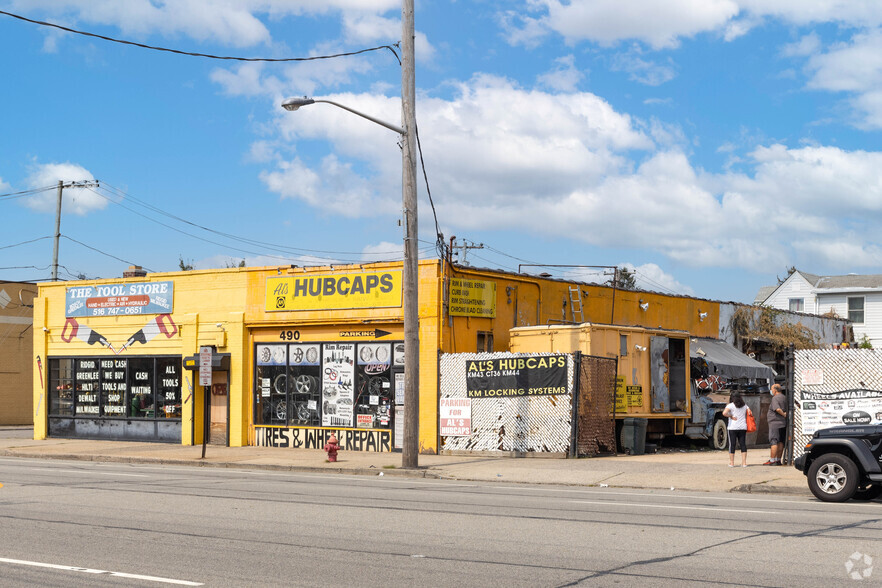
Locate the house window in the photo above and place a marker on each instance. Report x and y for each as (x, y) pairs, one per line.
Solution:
(797, 304)
(856, 309)
(623, 345)
(485, 341)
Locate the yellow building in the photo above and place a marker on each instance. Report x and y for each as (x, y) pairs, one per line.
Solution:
(296, 352)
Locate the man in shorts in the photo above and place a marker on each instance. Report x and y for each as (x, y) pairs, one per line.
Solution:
(777, 419)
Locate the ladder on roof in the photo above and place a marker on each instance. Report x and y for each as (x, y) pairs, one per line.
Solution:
(576, 304)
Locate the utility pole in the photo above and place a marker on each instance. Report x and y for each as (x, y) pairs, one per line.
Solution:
(410, 277)
(61, 187)
(57, 233)
(466, 245)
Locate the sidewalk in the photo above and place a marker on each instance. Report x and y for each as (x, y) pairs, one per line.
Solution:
(694, 470)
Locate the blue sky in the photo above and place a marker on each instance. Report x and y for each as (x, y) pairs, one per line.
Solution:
(707, 145)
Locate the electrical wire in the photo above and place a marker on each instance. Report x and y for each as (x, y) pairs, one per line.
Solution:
(251, 242)
(103, 252)
(193, 54)
(23, 193)
(25, 242)
(440, 245)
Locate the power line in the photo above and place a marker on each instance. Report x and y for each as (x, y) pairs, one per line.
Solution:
(14, 195)
(25, 242)
(206, 55)
(247, 241)
(103, 252)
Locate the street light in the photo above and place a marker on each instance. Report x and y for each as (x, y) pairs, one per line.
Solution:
(410, 284)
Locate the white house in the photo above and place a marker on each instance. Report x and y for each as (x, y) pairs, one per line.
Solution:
(857, 298)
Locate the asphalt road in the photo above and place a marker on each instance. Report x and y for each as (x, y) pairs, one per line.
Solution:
(93, 524)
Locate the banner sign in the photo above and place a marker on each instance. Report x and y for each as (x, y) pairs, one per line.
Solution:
(821, 410)
(379, 440)
(540, 375)
(472, 298)
(456, 417)
(334, 291)
(120, 299)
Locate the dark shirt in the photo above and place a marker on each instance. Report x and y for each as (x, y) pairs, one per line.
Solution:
(775, 419)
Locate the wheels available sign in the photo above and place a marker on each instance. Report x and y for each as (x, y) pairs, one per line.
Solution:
(533, 375)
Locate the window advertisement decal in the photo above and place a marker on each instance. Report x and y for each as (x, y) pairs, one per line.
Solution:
(374, 401)
(334, 291)
(120, 299)
(338, 388)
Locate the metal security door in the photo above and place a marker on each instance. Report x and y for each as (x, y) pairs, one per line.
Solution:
(658, 368)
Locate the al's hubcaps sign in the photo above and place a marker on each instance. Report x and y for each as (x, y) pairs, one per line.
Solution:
(541, 375)
(337, 291)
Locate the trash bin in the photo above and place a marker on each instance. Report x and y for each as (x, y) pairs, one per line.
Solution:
(634, 435)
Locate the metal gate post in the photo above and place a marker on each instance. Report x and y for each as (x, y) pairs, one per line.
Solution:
(577, 385)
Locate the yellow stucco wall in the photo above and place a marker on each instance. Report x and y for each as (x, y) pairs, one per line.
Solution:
(227, 308)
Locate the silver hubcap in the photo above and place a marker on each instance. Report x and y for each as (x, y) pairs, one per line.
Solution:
(831, 478)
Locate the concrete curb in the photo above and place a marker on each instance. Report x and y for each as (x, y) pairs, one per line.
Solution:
(426, 472)
(357, 471)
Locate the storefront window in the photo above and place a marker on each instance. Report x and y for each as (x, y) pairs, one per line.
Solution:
(88, 387)
(272, 383)
(168, 377)
(61, 387)
(333, 384)
(115, 388)
(305, 380)
(141, 386)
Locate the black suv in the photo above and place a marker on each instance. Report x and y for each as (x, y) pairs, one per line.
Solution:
(843, 463)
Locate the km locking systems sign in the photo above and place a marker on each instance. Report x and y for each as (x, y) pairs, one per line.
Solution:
(334, 291)
(541, 375)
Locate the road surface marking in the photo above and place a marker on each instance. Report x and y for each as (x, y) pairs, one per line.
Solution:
(89, 472)
(646, 505)
(91, 571)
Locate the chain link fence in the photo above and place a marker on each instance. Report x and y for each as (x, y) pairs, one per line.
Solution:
(834, 387)
(596, 400)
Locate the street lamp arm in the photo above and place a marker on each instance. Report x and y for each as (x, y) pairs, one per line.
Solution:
(295, 103)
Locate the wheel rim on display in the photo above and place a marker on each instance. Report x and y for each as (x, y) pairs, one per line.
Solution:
(297, 355)
(303, 384)
(280, 383)
(302, 411)
(281, 410)
(831, 478)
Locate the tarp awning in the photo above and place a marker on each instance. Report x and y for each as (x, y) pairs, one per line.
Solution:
(724, 360)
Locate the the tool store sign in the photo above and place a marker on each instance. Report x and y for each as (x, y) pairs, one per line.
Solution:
(120, 299)
(534, 375)
(847, 407)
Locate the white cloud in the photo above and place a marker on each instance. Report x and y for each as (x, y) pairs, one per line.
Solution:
(80, 201)
(4, 187)
(565, 76)
(658, 24)
(807, 45)
(648, 276)
(662, 25)
(360, 28)
(854, 67)
(335, 188)
(642, 70)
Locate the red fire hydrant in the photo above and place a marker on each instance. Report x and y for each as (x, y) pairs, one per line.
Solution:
(332, 448)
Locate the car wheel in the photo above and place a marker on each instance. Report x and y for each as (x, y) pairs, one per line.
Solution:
(719, 438)
(833, 478)
(868, 492)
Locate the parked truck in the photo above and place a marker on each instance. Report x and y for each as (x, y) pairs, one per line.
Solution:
(677, 383)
